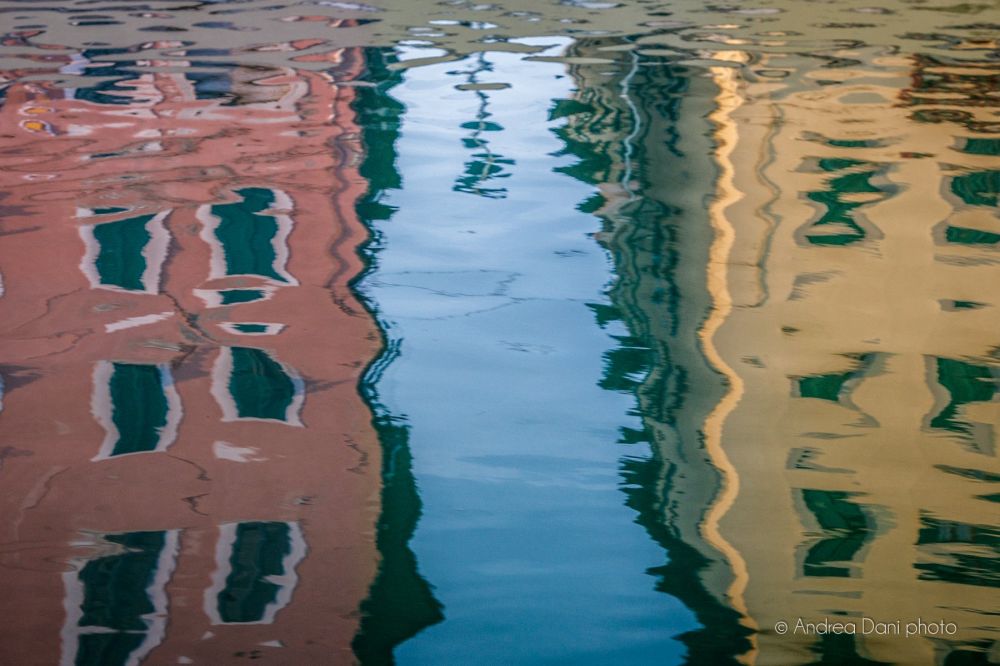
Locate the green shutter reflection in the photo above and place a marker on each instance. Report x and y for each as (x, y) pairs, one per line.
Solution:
(246, 235)
(831, 386)
(824, 387)
(115, 586)
(259, 385)
(251, 328)
(978, 146)
(836, 226)
(258, 552)
(966, 236)
(139, 407)
(115, 597)
(847, 528)
(979, 188)
(119, 259)
(962, 553)
(965, 383)
(231, 296)
(111, 649)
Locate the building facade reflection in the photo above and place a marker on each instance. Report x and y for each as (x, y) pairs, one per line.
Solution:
(641, 134)
(191, 474)
(855, 240)
(811, 349)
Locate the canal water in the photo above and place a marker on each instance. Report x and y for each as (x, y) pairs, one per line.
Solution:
(514, 333)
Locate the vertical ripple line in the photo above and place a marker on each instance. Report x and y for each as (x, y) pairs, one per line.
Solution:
(727, 101)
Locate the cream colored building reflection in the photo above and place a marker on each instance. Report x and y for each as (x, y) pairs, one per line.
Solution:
(856, 317)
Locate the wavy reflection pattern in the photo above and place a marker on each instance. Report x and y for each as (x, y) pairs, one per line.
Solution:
(189, 472)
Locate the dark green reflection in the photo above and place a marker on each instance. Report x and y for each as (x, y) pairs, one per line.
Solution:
(119, 258)
(965, 383)
(115, 586)
(831, 386)
(247, 237)
(116, 597)
(658, 240)
(840, 650)
(981, 146)
(251, 328)
(966, 236)
(260, 387)
(259, 551)
(485, 165)
(979, 188)
(976, 562)
(847, 529)
(232, 296)
(111, 649)
(836, 225)
(400, 602)
(139, 407)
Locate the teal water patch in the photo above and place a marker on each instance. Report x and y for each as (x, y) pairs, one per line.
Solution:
(511, 439)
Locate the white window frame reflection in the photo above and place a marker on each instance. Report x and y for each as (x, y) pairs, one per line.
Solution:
(156, 621)
(223, 567)
(217, 261)
(154, 252)
(222, 372)
(102, 408)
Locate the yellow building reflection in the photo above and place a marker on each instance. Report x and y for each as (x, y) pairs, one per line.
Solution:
(856, 319)
(822, 324)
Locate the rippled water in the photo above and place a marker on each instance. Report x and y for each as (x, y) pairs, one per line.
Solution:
(433, 333)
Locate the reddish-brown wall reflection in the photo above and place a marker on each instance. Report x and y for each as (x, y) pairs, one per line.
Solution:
(164, 299)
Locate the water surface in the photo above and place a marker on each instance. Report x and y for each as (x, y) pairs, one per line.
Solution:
(428, 333)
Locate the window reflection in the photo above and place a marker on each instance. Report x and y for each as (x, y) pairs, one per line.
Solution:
(249, 237)
(138, 407)
(125, 254)
(255, 574)
(116, 603)
(249, 384)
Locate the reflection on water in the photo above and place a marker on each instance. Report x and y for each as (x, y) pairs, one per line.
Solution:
(400, 602)
(117, 602)
(650, 154)
(196, 479)
(581, 332)
(860, 382)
